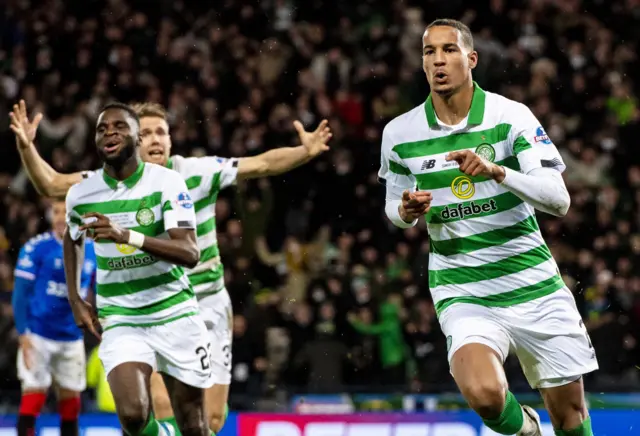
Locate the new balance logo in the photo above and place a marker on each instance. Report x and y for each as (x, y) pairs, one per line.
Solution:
(428, 164)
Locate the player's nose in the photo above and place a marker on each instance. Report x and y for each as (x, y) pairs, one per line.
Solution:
(439, 59)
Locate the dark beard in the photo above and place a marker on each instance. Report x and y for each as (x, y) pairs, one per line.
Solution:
(128, 150)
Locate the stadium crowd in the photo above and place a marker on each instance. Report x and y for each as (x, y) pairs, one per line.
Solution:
(310, 258)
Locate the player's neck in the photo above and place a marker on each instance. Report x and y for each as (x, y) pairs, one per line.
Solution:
(452, 108)
(124, 171)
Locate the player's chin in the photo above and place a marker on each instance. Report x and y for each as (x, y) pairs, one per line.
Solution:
(157, 159)
(442, 88)
(115, 159)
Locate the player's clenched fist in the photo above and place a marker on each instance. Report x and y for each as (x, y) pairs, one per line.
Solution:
(414, 205)
(473, 165)
(84, 316)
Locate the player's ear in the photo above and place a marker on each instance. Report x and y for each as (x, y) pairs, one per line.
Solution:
(473, 59)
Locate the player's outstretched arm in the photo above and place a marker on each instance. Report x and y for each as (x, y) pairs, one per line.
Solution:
(45, 179)
(281, 160)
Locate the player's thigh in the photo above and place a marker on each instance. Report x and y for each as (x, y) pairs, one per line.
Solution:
(160, 397)
(68, 366)
(35, 375)
(477, 347)
(128, 361)
(183, 351)
(550, 340)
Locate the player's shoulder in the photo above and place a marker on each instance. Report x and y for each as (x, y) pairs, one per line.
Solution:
(188, 166)
(88, 188)
(156, 172)
(193, 166)
(39, 240)
(399, 126)
(503, 108)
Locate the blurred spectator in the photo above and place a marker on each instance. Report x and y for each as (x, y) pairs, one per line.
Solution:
(392, 347)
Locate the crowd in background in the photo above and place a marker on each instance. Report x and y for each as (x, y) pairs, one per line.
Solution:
(317, 274)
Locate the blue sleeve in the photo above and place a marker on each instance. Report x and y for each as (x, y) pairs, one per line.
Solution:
(25, 276)
(22, 289)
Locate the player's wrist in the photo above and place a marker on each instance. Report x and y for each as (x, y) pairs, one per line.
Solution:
(404, 215)
(134, 239)
(498, 173)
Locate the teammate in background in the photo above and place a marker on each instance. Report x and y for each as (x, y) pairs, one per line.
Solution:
(477, 165)
(143, 221)
(51, 345)
(205, 177)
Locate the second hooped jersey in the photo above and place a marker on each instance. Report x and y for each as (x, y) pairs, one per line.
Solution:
(205, 177)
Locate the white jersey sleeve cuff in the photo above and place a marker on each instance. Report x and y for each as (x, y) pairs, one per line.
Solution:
(391, 209)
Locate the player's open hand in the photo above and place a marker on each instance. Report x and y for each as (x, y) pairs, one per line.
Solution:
(101, 227)
(315, 142)
(414, 205)
(473, 165)
(85, 317)
(22, 127)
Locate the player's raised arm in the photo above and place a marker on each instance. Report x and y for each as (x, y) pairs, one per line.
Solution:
(179, 222)
(404, 205)
(281, 160)
(45, 179)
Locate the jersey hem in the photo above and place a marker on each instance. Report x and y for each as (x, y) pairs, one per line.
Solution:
(508, 299)
(150, 324)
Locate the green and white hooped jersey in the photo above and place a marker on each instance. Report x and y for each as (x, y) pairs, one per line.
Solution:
(205, 177)
(486, 246)
(133, 287)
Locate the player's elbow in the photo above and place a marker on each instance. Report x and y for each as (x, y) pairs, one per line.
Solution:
(56, 187)
(566, 204)
(561, 206)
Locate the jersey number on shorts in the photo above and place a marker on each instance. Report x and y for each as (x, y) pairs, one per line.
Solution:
(204, 354)
(226, 351)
